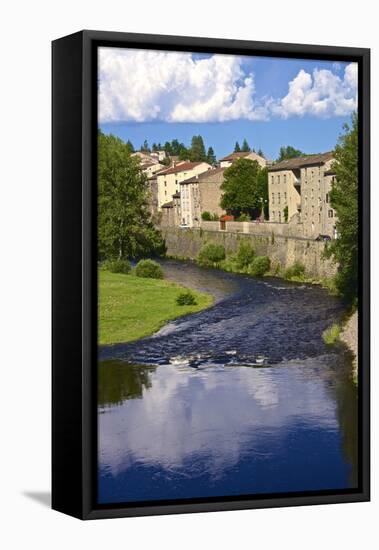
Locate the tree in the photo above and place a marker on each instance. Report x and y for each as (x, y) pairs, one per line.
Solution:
(237, 148)
(145, 147)
(260, 153)
(154, 147)
(344, 200)
(130, 147)
(245, 146)
(289, 152)
(245, 188)
(124, 227)
(197, 150)
(211, 157)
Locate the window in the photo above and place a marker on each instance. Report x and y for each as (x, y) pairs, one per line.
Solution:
(278, 198)
(273, 215)
(280, 217)
(278, 179)
(285, 178)
(272, 179)
(273, 198)
(330, 213)
(285, 196)
(165, 183)
(327, 197)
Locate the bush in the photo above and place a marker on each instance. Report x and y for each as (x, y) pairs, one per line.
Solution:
(244, 218)
(186, 299)
(259, 266)
(332, 335)
(215, 217)
(206, 216)
(245, 255)
(117, 266)
(149, 269)
(211, 254)
(296, 270)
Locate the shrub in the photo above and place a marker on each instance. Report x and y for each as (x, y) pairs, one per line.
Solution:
(259, 266)
(149, 269)
(285, 213)
(245, 255)
(215, 217)
(244, 218)
(206, 216)
(296, 270)
(117, 266)
(332, 334)
(211, 254)
(186, 299)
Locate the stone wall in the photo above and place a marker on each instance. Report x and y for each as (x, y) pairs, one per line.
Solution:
(283, 251)
(293, 229)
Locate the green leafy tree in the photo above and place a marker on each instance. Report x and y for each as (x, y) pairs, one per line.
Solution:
(244, 188)
(124, 227)
(237, 148)
(211, 157)
(197, 150)
(344, 200)
(245, 146)
(289, 152)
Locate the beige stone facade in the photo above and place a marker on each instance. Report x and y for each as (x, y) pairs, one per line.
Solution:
(169, 180)
(200, 194)
(302, 185)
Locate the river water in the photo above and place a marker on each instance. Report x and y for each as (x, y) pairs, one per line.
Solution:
(188, 412)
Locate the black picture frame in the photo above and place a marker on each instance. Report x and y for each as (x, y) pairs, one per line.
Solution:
(74, 295)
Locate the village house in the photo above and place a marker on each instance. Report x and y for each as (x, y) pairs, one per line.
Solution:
(170, 215)
(169, 179)
(145, 158)
(250, 155)
(152, 168)
(299, 190)
(201, 193)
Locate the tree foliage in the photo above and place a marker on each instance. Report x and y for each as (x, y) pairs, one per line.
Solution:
(245, 146)
(344, 200)
(124, 227)
(197, 150)
(237, 148)
(245, 188)
(211, 157)
(289, 152)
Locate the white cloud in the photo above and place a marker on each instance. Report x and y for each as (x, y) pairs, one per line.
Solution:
(145, 85)
(322, 94)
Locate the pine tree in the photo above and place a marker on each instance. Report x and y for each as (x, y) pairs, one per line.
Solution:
(211, 157)
(237, 148)
(197, 150)
(245, 146)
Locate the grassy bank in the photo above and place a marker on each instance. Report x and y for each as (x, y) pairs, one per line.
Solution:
(131, 307)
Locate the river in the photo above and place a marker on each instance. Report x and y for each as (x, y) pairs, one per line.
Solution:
(188, 412)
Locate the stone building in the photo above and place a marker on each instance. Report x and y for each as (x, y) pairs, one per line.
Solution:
(169, 179)
(299, 190)
(201, 193)
(250, 155)
(170, 212)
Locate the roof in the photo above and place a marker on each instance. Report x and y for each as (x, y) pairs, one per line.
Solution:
(168, 204)
(330, 172)
(235, 156)
(203, 176)
(183, 167)
(176, 196)
(300, 162)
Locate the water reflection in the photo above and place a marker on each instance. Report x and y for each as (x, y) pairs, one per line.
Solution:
(225, 430)
(118, 381)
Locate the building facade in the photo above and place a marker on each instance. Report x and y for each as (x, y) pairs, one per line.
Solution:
(299, 191)
(200, 194)
(169, 179)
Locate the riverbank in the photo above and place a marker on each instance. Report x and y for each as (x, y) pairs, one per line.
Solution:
(349, 336)
(132, 307)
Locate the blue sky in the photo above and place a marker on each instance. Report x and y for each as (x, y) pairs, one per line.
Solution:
(272, 102)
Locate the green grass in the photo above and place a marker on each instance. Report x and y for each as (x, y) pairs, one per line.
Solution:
(131, 307)
(332, 334)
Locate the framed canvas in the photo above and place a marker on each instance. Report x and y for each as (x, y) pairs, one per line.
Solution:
(210, 274)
